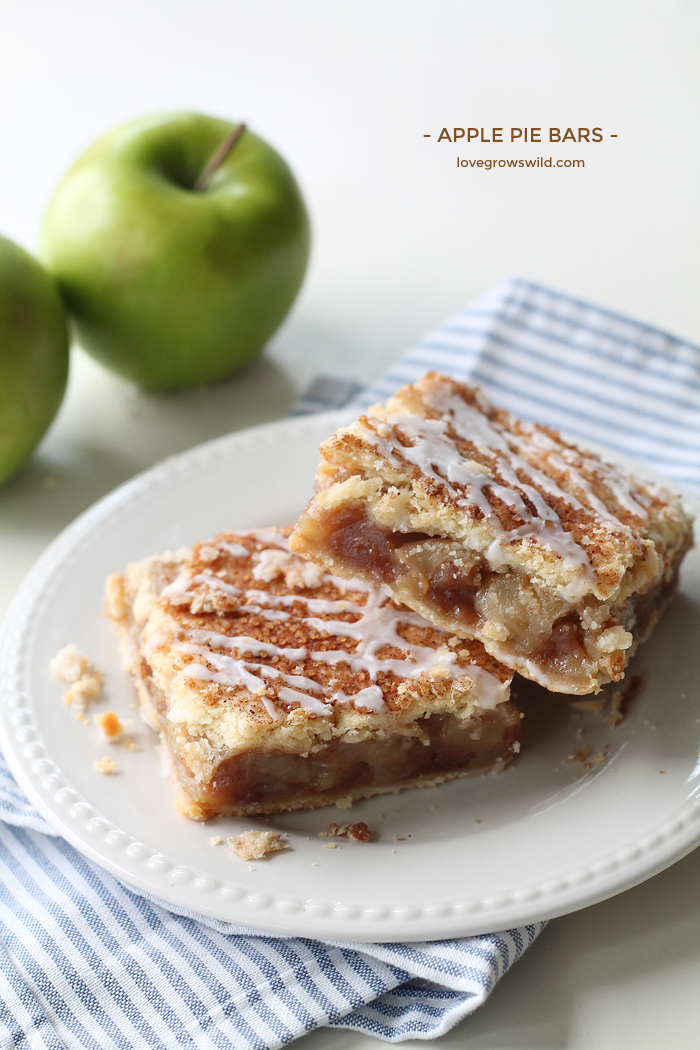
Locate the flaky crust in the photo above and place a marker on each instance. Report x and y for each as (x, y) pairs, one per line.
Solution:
(240, 646)
(439, 461)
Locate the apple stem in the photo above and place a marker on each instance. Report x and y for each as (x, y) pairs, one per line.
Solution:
(218, 158)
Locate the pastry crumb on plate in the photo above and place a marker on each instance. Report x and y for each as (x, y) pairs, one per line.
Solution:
(85, 681)
(255, 845)
(105, 765)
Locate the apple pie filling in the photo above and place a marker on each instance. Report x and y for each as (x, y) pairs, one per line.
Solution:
(438, 747)
(557, 561)
(520, 621)
(277, 686)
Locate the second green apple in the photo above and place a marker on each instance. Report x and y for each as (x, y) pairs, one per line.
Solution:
(169, 285)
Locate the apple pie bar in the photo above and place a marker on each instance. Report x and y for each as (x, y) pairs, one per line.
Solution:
(497, 530)
(276, 686)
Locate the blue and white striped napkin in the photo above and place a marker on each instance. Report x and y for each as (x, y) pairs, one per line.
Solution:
(86, 962)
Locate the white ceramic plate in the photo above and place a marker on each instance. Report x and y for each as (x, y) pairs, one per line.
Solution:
(544, 838)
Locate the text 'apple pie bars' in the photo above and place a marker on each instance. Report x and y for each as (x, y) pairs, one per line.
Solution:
(497, 530)
(277, 686)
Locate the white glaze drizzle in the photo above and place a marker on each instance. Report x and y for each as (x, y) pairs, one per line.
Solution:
(272, 563)
(268, 614)
(436, 456)
(558, 461)
(227, 671)
(621, 486)
(619, 482)
(243, 644)
(319, 605)
(271, 537)
(433, 451)
(376, 627)
(209, 580)
(496, 438)
(308, 703)
(271, 709)
(236, 550)
(296, 681)
(371, 698)
(184, 581)
(180, 585)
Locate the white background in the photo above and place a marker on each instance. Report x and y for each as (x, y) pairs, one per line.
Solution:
(402, 238)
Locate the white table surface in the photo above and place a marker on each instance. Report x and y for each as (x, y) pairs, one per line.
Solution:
(346, 91)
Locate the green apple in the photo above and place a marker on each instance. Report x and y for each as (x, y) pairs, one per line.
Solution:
(169, 284)
(33, 355)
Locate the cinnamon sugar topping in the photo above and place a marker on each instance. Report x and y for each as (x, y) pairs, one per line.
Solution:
(353, 634)
(498, 530)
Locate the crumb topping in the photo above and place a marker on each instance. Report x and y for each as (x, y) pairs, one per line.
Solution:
(358, 832)
(70, 665)
(247, 678)
(110, 725)
(105, 765)
(297, 574)
(236, 628)
(255, 845)
(497, 529)
(522, 480)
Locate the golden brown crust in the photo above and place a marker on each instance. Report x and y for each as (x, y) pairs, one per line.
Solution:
(445, 478)
(240, 647)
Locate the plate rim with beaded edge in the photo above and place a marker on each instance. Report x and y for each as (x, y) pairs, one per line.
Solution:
(543, 838)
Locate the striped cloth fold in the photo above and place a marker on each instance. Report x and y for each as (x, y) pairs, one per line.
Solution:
(87, 962)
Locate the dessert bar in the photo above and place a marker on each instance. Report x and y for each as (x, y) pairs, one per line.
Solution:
(277, 686)
(498, 530)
